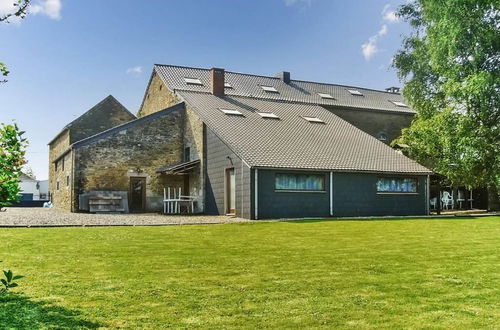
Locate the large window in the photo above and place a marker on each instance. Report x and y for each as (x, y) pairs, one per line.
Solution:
(300, 182)
(397, 185)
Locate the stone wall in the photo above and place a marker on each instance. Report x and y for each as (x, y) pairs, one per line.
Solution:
(105, 115)
(135, 151)
(60, 197)
(158, 97)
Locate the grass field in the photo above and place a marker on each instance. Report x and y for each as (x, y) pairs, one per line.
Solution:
(350, 274)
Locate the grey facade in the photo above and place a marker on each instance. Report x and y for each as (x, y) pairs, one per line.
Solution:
(219, 158)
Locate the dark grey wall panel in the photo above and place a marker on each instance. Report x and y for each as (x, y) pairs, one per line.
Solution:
(356, 194)
(218, 158)
(278, 204)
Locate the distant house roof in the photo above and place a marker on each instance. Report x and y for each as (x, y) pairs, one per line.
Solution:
(292, 141)
(295, 91)
(110, 100)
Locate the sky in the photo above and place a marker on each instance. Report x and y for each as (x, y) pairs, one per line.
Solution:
(67, 55)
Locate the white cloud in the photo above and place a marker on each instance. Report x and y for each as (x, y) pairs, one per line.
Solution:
(370, 48)
(50, 8)
(389, 15)
(382, 31)
(136, 70)
(289, 3)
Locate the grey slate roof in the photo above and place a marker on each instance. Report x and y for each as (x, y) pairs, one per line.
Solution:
(295, 91)
(293, 142)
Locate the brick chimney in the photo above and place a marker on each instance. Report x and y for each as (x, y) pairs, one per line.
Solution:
(217, 81)
(284, 76)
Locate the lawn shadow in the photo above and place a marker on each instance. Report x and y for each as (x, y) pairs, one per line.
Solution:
(463, 217)
(20, 312)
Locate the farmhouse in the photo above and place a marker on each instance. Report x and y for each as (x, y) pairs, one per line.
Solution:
(255, 146)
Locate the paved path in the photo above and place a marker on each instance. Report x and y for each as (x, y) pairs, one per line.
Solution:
(40, 217)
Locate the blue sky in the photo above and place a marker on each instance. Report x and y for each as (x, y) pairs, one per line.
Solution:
(68, 55)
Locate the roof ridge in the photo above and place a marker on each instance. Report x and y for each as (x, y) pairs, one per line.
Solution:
(277, 78)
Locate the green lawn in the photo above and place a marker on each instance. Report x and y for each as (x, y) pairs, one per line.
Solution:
(351, 274)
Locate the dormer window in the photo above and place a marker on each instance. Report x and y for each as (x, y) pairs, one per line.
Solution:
(231, 112)
(326, 96)
(399, 104)
(269, 89)
(268, 115)
(193, 81)
(355, 92)
(313, 119)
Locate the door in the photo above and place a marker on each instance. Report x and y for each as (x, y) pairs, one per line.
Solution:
(137, 202)
(230, 191)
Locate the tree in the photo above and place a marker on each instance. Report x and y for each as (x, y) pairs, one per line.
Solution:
(20, 10)
(12, 151)
(450, 64)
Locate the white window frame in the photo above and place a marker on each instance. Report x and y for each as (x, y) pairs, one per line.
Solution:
(269, 89)
(193, 81)
(268, 115)
(400, 104)
(355, 92)
(231, 112)
(313, 119)
(326, 96)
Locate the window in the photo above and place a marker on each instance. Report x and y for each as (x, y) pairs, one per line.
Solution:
(231, 112)
(382, 136)
(300, 182)
(161, 87)
(193, 81)
(67, 180)
(55, 166)
(313, 119)
(326, 96)
(397, 185)
(355, 92)
(187, 154)
(268, 115)
(227, 85)
(399, 104)
(269, 89)
(62, 163)
(57, 185)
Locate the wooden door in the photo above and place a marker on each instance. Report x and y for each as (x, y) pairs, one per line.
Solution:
(137, 194)
(230, 191)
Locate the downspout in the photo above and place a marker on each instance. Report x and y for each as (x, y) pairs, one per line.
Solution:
(331, 193)
(256, 193)
(428, 194)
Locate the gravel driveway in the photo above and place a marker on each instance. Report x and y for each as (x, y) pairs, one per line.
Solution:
(40, 217)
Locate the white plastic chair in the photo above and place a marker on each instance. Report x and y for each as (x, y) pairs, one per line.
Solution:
(460, 198)
(433, 202)
(447, 200)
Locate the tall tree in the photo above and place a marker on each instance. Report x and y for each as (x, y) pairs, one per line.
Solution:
(20, 9)
(450, 64)
(12, 151)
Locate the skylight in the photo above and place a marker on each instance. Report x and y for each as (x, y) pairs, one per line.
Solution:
(268, 115)
(269, 89)
(355, 92)
(399, 104)
(231, 112)
(193, 81)
(326, 96)
(313, 119)
(227, 85)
